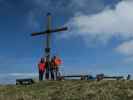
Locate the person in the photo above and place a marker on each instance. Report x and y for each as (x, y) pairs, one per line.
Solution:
(56, 61)
(41, 67)
(47, 68)
(52, 68)
(128, 77)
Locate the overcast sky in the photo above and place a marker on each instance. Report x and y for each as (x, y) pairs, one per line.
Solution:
(99, 37)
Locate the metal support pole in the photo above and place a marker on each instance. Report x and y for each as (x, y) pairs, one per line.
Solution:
(47, 49)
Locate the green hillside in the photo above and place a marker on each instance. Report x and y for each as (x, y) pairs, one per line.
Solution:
(70, 90)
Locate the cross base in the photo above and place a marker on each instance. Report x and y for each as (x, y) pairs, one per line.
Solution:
(47, 50)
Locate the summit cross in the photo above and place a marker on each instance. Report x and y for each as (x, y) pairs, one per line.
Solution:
(48, 32)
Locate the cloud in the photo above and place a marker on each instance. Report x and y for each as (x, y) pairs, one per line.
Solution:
(103, 26)
(128, 60)
(32, 13)
(69, 6)
(38, 9)
(32, 21)
(126, 48)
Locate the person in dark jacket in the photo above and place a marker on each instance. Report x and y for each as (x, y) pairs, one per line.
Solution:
(48, 64)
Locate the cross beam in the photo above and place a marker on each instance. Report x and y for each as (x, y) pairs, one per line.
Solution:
(49, 31)
(48, 35)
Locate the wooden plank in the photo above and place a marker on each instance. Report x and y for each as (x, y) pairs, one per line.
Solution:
(75, 75)
(59, 29)
(114, 77)
(49, 31)
(82, 77)
(102, 76)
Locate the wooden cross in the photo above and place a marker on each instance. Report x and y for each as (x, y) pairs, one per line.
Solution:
(48, 35)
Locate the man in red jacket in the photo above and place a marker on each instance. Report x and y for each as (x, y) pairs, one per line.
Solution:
(41, 67)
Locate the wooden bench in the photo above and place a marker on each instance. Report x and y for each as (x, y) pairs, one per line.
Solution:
(104, 77)
(114, 77)
(82, 77)
(24, 81)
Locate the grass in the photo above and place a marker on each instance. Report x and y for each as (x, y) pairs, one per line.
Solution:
(70, 90)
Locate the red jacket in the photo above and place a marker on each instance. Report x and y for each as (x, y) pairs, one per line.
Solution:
(41, 66)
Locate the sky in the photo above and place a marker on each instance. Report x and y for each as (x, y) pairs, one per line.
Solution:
(99, 38)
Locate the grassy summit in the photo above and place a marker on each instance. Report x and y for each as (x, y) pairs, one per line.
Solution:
(70, 90)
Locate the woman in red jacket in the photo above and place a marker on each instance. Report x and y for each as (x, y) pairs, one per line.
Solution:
(41, 67)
